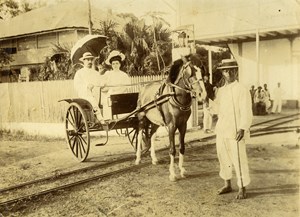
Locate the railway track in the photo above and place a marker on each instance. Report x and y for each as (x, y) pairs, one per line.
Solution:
(12, 196)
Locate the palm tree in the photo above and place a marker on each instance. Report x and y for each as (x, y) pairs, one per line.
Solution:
(161, 38)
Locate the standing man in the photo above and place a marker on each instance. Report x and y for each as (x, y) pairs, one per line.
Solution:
(277, 99)
(233, 102)
(207, 116)
(84, 82)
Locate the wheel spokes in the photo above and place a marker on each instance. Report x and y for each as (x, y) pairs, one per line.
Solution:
(82, 145)
(77, 132)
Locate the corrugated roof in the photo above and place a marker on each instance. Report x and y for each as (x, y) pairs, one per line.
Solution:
(233, 20)
(59, 16)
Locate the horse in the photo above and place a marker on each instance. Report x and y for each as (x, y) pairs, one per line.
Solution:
(182, 84)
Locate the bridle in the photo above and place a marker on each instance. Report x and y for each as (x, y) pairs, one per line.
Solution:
(188, 87)
(188, 84)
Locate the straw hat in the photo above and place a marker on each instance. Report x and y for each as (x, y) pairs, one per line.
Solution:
(228, 64)
(86, 55)
(113, 54)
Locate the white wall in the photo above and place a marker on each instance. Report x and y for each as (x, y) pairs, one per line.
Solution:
(278, 62)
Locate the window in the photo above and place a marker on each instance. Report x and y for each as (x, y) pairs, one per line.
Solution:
(27, 43)
(9, 46)
(10, 50)
(47, 40)
(67, 38)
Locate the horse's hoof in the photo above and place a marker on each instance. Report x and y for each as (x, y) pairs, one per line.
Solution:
(172, 178)
(137, 162)
(154, 162)
(182, 173)
(183, 176)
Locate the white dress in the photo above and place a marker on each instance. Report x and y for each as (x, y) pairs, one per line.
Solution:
(113, 82)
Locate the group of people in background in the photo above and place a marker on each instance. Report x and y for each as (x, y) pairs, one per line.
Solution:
(262, 101)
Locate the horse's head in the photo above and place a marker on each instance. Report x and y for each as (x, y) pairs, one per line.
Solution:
(185, 74)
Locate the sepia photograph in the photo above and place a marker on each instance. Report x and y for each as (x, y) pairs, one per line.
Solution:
(149, 108)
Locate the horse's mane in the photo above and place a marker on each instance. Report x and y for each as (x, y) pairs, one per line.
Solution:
(174, 71)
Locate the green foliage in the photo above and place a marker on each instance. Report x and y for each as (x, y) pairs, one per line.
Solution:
(9, 8)
(144, 55)
(57, 67)
(5, 58)
(12, 8)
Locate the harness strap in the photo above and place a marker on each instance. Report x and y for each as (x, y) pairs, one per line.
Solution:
(174, 102)
(158, 106)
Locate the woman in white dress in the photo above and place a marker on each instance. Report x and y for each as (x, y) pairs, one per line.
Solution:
(114, 81)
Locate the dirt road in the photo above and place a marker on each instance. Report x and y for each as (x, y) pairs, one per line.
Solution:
(274, 190)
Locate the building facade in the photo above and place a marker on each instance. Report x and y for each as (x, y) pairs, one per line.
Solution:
(31, 37)
(263, 36)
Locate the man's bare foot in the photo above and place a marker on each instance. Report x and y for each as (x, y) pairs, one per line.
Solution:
(225, 189)
(241, 194)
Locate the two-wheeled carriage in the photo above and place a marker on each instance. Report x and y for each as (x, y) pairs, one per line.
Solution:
(166, 103)
(80, 121)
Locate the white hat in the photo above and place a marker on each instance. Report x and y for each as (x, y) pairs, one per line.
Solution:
(112, 54)
(86, 55)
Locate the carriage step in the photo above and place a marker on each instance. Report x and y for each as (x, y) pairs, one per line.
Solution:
(100, 144)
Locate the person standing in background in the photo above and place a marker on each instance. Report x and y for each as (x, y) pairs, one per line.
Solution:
(277, 99)
(252, 93)
(207, 116)
(267, 98)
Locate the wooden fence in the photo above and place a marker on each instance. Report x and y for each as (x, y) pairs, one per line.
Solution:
(38, 101)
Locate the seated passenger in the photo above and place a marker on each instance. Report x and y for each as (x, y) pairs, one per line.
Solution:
(259, 100)
(114, 81)
(84, 82)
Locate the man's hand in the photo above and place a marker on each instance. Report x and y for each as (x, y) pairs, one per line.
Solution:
(90, 87)
(240, 135)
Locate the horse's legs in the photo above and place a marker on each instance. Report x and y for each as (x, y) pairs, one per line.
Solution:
(139, 147)
(182, 131)
(172, 152)
(139, 140)
(152, 142)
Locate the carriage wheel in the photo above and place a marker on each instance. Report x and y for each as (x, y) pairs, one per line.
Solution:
(132, 136)
(77, 132)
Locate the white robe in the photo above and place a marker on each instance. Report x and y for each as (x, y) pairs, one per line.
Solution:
(234, 110)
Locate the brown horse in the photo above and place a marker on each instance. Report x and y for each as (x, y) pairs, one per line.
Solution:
(183, 83)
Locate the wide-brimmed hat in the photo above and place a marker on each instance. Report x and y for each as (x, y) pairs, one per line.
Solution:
(86, 55)
(112, 54)
(228, 64)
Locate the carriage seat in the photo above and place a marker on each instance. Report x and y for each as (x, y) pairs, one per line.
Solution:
(123, 103)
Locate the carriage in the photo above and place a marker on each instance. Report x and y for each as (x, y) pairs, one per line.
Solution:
(138, 115)
(80, 121)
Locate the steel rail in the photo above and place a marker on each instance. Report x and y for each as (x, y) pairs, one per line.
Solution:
(70, 185)
(120, 171)
(61, 175)
(268, 121)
